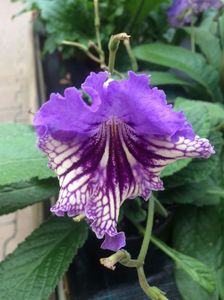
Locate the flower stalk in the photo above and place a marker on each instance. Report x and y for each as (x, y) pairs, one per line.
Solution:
(83, 48)
(97, 30)
(160, 209)
(192, 34)
(132, 58)
(113, 47)
(124, 258)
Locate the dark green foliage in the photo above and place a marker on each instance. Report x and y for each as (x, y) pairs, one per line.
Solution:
(35, 267)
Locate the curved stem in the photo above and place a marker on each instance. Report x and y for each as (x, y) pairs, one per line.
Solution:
(152, 292)
(160, 209)
(132, 58)
(83, 48)
(113, 47)
(148, 230)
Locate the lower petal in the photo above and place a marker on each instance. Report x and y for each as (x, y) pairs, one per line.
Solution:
(98, 173)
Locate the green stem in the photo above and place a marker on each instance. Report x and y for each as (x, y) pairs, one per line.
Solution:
(152, 292)
(160, 209)
(192, 35)
(135, 17)
(216, 192)
(83, 48)
(113, 47)
(132, 58)
(97, 30)
(148, 230)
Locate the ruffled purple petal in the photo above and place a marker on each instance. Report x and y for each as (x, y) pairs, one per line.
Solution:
(145, 108)
(112, 150)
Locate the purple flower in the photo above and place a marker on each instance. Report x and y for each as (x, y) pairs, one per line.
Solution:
(182, 11)
(113, 149)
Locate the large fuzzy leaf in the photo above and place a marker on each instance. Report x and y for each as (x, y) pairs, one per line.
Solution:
(32, 271)
(20, 160)
(199, 232)
(22, 194)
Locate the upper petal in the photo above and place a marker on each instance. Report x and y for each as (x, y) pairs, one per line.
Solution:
(65, 116)
(146, 108)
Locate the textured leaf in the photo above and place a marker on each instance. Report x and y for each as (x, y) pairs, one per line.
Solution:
(198, 232)
(197, 114)
(193, 64)
(32, 271)
(200, 194)
(197, 270)
(20, 160)
(20, 195)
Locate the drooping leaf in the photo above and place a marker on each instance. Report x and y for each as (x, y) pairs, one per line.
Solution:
(22, 194)
(193, 64)
(32, 271)
(198, 232)
(196, 270)
(20, 160)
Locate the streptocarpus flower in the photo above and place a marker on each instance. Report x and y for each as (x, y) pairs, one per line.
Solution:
(113, 149)
(182, 11)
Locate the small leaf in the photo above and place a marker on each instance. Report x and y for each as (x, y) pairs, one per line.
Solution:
(20, 160)
(20, 195)
(32, 271)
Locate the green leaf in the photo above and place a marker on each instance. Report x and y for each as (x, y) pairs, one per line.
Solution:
(133, 210)
(198, 232)
(197, 114)
(32, 271)
(193, 64)
(209, 45)
(20, 160)
(166, 78)
(20, 195)
(201, 193)
(197, 270)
